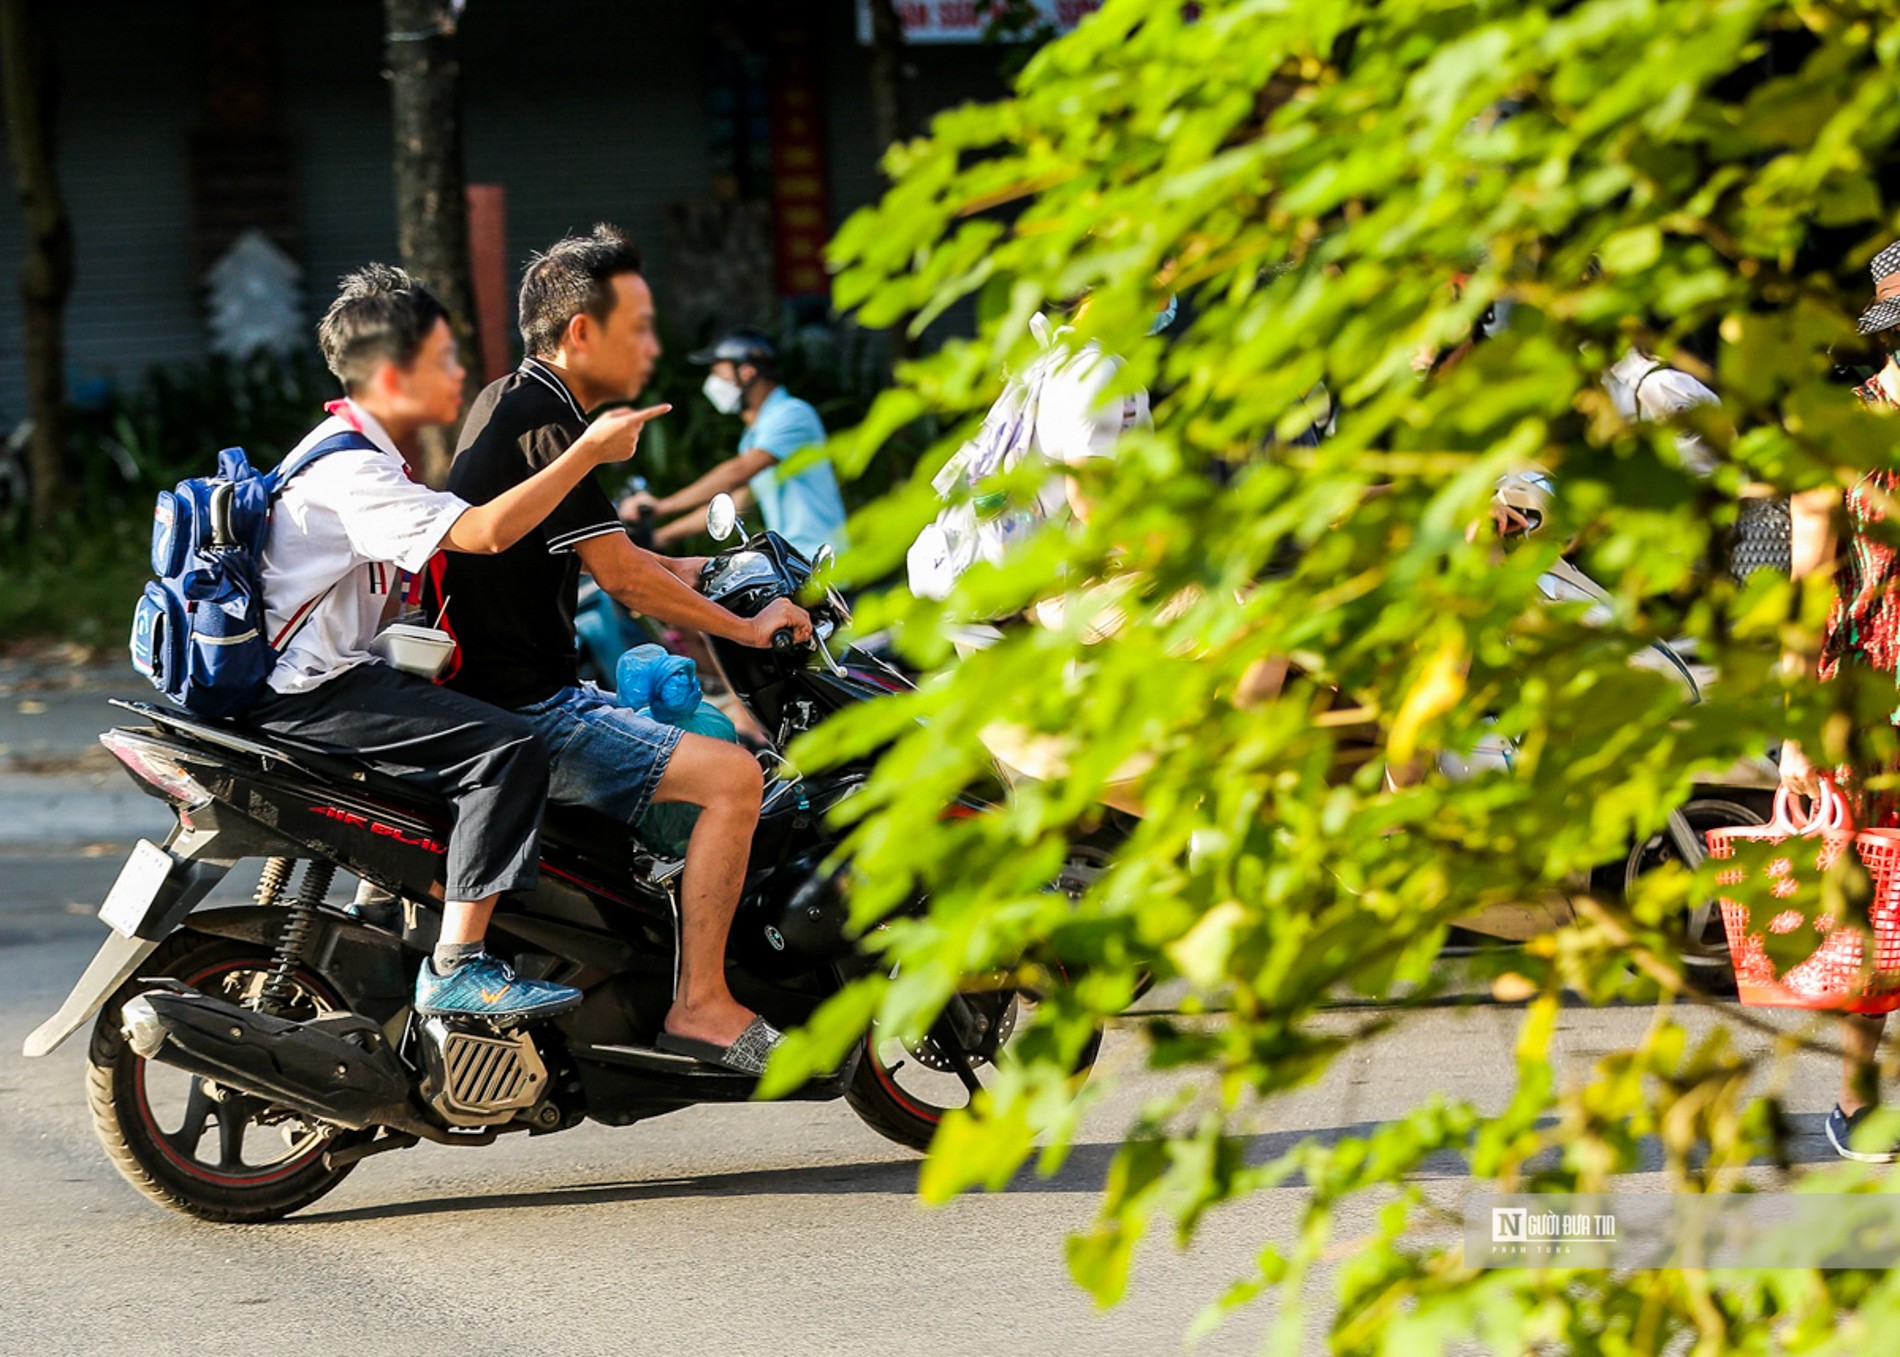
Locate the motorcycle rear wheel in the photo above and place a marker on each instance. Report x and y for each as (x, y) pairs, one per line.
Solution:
(129, 1112)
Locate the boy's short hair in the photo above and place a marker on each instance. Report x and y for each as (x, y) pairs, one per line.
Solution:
(571, 277)
(380, 315)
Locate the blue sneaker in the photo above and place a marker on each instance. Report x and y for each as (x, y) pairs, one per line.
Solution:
(487, 988)
(1841, 1134)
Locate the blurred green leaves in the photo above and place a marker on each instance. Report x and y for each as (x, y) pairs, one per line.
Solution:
(1339, 193)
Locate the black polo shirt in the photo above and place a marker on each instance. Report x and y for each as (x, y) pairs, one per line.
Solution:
(513, 613)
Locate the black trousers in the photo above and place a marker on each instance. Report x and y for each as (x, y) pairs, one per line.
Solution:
(486, 762)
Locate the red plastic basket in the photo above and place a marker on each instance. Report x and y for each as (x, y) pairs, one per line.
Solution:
(1835, 975)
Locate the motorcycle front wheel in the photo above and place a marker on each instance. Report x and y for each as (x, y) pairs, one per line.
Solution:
(189, 1144)
(904, 1089)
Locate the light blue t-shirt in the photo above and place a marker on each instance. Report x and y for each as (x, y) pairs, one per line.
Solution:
(805, 509)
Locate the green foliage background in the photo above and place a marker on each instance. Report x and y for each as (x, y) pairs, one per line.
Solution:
(1312, 177)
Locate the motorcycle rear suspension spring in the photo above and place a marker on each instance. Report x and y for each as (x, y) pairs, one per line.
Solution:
(271, 881)
(301, 918)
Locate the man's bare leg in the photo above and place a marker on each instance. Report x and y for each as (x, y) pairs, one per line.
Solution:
(726, 784)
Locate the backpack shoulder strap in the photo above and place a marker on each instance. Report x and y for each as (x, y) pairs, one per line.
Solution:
(1636, 392)
(349, 440)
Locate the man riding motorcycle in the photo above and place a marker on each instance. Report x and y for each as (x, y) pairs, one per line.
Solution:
(587, 322)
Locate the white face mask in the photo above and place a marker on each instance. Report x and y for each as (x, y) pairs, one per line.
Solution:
(724, 393)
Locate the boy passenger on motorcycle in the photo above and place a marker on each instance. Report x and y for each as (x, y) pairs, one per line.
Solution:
(338, 534)
(587, 324)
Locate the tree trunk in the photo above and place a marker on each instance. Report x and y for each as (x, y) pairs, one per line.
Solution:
(46, 274)
(431, 198)
(890, 116)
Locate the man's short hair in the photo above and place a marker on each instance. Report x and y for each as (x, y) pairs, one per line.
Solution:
(380, 315)
(571, 277)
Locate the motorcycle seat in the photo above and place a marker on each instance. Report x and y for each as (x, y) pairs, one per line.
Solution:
(268, 747)
(579, 827)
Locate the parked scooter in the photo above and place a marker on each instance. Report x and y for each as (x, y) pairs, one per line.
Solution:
(287, 1023)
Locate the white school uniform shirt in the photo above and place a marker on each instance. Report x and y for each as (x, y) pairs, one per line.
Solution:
(1076, 418)
(1642, 387)
(346, 524)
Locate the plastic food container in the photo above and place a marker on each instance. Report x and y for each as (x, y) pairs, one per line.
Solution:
(423, 651)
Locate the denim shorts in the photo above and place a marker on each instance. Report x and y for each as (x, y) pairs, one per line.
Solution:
(605, 755)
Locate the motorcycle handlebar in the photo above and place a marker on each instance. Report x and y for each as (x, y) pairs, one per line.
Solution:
(784, 641)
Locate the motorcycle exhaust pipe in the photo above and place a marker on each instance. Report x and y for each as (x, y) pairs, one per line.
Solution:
(311, 1067)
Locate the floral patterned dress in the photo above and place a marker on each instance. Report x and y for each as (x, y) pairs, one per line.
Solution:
(1864, 626)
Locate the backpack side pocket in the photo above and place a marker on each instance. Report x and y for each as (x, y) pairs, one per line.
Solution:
(160, 624)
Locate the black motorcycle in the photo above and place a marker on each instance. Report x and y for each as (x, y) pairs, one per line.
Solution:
(287, 1024)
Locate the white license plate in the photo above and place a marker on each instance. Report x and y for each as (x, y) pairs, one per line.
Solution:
(138, 885)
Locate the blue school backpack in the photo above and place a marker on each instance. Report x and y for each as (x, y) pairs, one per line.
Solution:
(198, 631)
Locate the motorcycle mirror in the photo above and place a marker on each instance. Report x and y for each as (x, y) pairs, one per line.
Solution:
(722, 517)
